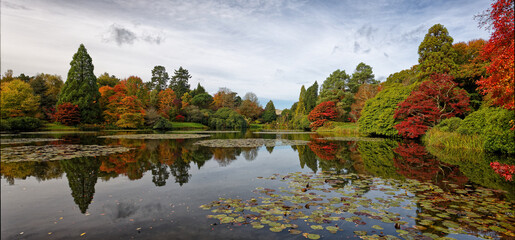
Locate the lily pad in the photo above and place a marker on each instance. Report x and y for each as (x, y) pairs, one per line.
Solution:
(155, 136)
(57, 152)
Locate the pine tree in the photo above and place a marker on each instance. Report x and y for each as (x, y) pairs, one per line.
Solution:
(363, 74)
(159, 78)
(179, 83)
(269, 114)
(81, 87)
(436, 54)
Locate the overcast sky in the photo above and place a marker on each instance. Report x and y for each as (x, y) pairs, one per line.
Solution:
(269, 47)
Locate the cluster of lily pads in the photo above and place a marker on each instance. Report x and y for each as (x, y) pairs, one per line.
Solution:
(155, 136)
(57, 152)
(330, 203)
(6, 141)
(249, 142)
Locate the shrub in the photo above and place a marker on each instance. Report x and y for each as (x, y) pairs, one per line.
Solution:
(130, 120)
(449, 124)
(67, 114)
(90, 127)
(493, 126)
(162, 124)
(20, 124)
(435, 100)
(377, 114)
(321, 113)
(226, 118)
(179, 118)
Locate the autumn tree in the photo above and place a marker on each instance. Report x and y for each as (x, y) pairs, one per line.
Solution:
(250, 107)
(8, 76)
(365, 92)
(67, 114)
(134, 86)
(179, 83)
(362, 75)
(471, 68)
(107, 80)
(432, 102)
(17, 99)
(436, 54)
(159, 78)
(269, 114)
(131, 113)
(81, 87)
(168, 106)
(225, 98)
(322, 113)
(500, 84)
(47, 87)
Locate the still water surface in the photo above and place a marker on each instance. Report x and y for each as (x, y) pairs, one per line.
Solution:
(154, 191)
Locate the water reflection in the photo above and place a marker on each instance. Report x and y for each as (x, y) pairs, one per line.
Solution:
(165, 159)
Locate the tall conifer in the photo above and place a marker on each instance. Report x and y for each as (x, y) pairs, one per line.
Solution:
(81, 87)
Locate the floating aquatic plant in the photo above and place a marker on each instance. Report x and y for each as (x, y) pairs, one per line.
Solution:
(327, 203)
(57, 152)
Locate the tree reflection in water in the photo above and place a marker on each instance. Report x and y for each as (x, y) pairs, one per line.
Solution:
(82, 174)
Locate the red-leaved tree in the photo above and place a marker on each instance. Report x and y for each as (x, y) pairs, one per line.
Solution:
(435, 100)
(67, 114)
(500, 52)
(321, 113)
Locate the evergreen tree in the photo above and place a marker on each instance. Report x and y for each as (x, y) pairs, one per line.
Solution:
(363, 74)
(269, 114)
(301, 108)
(82, 174)
(159, 78)
(81, 87)
(179, 83)
(436, 54)
(198, 90)
(311, 97)
(335, 81)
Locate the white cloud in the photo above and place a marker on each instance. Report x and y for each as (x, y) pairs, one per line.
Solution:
(269, 47)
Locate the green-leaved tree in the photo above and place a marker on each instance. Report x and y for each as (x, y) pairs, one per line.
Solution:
(81, 87)
(179, 83)
(436, 53)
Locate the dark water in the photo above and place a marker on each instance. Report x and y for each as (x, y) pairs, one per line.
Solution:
(154, 191)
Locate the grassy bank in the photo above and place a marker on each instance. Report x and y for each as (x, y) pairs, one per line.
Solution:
(188, 125)
(452, 140)
(344, 128)
(57, 127)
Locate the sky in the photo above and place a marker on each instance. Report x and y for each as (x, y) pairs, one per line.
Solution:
(268, 47)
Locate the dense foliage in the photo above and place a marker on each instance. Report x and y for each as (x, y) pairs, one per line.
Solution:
(81, 87)
(436, 54)
(17, 99)
(377, 116)
(20, 124)
(67, 114)
(434, 100)
(500, 84)
(269, 114)
(226, 118)
(322, 113)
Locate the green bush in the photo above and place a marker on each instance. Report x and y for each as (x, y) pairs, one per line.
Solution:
(493, 126)
(90, 127)
(226, 118)
(377, 114)
(449, 124)
(20, 124)
(162, 124)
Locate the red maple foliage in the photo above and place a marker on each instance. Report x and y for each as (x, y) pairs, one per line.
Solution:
(323, 149)
(435, 100)
(321, 113)
(499, 50)
(180, 118)
(67, 114)
(505, 170)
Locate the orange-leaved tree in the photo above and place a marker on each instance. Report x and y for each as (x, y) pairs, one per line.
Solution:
(499, 50)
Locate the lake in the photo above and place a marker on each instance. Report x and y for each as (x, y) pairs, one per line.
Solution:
(80, 185)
